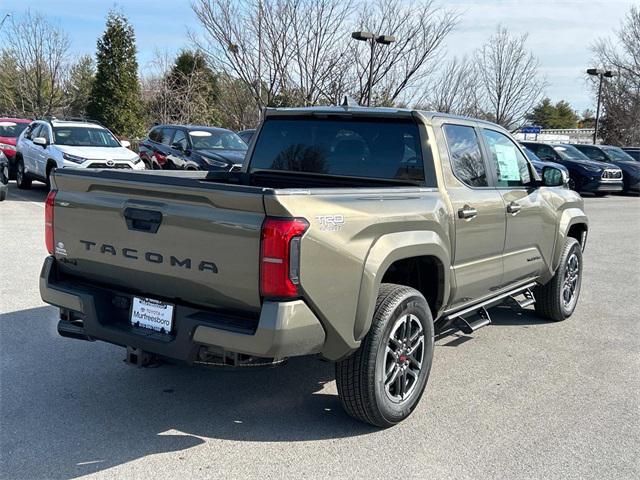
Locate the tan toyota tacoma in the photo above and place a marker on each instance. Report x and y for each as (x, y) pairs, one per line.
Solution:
(351, 233)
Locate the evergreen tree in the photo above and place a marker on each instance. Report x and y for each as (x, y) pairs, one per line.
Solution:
(79, 86)
(548, 115)
(115, 98)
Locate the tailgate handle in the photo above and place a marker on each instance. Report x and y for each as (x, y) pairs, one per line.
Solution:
(143, 220)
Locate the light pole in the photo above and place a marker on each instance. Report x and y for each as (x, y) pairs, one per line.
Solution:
(372, 39)
(4, 20)
(600, 73)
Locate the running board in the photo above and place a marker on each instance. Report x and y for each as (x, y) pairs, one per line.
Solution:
(483, 319)
(479, 313)
(528, 300)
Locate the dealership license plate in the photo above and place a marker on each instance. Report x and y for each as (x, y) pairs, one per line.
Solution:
(152, 314)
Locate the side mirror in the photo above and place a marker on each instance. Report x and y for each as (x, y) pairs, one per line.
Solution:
(125, 143)
(177, 146)
(40, 141)
(554, 177)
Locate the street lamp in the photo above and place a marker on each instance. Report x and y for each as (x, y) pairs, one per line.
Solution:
(372, 39)
(600, 73)
(4, 20)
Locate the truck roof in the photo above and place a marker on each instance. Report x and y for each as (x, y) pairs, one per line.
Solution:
(373, 111)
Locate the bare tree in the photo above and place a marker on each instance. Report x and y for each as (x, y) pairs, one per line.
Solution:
(420, 29)
(454, 90)
(508, 76)
(621, 95)
(300, 52)
(181, 90)
(38, 52)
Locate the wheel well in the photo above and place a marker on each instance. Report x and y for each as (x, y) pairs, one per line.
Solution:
(425, 274)
(51, 164)
(576, 231)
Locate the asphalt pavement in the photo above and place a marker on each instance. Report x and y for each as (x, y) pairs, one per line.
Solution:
(520, 399)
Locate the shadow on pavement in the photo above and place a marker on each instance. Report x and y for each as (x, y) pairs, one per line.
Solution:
(69, 408)
(37, 193)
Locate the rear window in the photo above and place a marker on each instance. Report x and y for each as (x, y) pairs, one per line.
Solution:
(371, 148)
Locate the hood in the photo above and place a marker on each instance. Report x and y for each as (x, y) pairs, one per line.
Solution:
(8, 140)
(629, 167)
(589, 164)
(98, 153)
(232, 156)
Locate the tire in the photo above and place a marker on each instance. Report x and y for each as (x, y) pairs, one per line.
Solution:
(551, 298)
(22, 178)
(601, 194)
(50, 170)
(363, 378)
(3, 195)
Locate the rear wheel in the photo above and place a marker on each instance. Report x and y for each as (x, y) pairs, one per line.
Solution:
(557, 299)
(22, 178)
(382, 382)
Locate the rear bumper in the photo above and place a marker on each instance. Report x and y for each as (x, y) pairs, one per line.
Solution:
(283, 329)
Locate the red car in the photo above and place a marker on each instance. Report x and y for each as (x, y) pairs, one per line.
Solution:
(10, 130)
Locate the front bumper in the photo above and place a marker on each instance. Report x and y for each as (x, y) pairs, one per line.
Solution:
(283, 329)
(600, 185)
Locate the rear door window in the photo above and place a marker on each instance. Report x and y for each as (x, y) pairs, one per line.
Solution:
(466, 157)
(357, 147)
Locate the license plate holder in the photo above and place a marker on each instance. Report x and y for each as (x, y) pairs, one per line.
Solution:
(152, 315)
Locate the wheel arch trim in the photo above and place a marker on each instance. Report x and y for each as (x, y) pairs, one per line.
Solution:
(384, 252)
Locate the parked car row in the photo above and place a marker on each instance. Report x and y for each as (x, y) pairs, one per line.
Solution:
(33, 149)
(599, 169)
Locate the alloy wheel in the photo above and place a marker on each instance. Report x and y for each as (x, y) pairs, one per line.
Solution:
(571, 281)
(404, 357)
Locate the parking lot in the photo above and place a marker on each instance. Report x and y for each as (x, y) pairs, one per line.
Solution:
(522, 398)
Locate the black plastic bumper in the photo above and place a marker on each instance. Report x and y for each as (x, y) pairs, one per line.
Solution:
(91, 312)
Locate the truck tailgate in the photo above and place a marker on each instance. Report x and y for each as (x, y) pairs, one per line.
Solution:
(178, 239)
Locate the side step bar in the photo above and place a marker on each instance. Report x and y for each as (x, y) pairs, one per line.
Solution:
(475, 317)
(483, 320)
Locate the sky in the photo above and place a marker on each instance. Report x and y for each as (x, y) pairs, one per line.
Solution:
(560, 31)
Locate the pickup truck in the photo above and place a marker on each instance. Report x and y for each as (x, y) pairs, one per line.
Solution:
(351, 233)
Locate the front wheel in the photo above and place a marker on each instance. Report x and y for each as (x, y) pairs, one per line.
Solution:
(557, 299)
(382, 382)
(22, 179)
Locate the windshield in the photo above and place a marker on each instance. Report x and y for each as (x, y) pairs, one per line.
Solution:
(212, 140)
(11, 129)
(568, 152)
(618, 154)
(84, 137)
(350, 147)
(530, 155)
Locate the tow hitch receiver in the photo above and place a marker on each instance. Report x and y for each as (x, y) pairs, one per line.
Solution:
(140, 358)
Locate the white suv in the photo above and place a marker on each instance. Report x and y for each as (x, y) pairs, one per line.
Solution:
(49, 144)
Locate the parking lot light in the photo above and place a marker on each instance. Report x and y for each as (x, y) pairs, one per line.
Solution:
(372, 39)
(600, 73)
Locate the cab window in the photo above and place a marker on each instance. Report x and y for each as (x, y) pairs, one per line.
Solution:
(510, 165)
(180, 138)
(466, 157)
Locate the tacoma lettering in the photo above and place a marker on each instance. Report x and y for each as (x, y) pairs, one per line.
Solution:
(151, 257)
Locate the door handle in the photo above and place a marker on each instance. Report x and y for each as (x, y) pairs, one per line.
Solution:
(514, 208)
(467, 212)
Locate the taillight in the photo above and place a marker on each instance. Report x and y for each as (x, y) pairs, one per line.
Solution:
(48, 220)
(280, 256)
